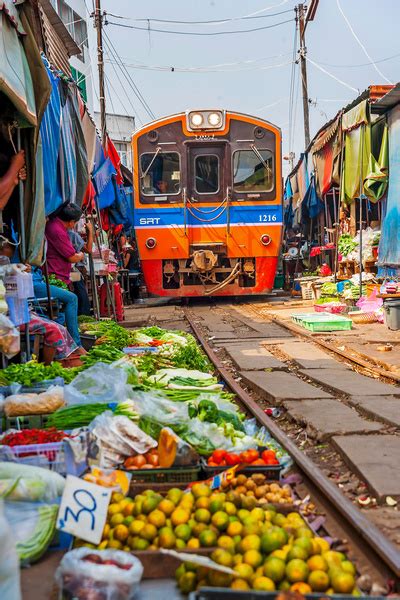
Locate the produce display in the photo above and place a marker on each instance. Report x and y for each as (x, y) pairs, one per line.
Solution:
(27, 437)
(252, 457)
(34, 404)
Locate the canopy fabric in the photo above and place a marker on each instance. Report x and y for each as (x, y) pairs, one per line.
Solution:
(113, 155)
(38, 222)
(303, 177)
(15, 76)
(102, 178)
(356, 116)
(311, 202)
(355, 164)
(389, 246)
(50, 131)
(375, 183)
(90, 134)
(294, 185)
(326, 156)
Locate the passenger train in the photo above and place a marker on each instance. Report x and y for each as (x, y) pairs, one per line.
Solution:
(208, 203)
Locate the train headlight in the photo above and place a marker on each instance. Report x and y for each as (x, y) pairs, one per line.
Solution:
(196, 120)
(265, 239)
(151, 243)
(214, 119)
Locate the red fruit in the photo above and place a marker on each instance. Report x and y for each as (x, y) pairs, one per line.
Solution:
(267, 454)
(218, 456)
(232, 459)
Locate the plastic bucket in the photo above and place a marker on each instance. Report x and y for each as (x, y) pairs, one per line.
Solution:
(392, 314)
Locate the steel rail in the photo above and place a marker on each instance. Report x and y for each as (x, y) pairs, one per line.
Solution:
(354, 520)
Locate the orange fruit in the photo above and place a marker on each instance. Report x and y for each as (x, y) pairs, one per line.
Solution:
(319, 581)
(264, 584)
(301, 587)
(275, 569)
(297, 570)
(317, 563)
(342, 582)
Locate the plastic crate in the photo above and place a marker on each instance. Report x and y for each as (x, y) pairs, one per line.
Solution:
(216, 593)
(173, 475)
(49, 456)
(25, 422)
(273, 472)
(322, 322)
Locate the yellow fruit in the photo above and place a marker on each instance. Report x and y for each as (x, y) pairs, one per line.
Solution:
(240, 584)
(200, 489)
(301, 587)
(322, 543)
(116, 519)
(139, 544)
(174, 494)
(106, 531)
(343, 583)
(284, 586)
(121, 533)
(103, 545)
(250, 542)
(253, 558)
(230, 508)
(128, 520)
(264, 584)
(234, 528)
(296, 570)
(187, 582)
(114, 544)
(279, 554)
(275, 569)
(333, 558)
(279, 519)
(142, 518)
(166, 506)
(179, 516)
(243, 513)
(166, 538)
(157, 518)
(219, 579)
(203, 502)
(305, 543)
(128, 509)
(244, 571)
(117, 497)
(227, 543)
(180, 544)
(193, 543)
(274, 539)
(222, 557)
(207, 538)
(258, 514)
(304, 532)
(317, 563)
(297, 552)
(215, 505)
(149, 532)
(202, 515)
(183, 532)
(251, 527)
(149, 504)
(136, 527)
(259, 572)
(198, 528)
(348, 567)
(220, 520)
(237, 559)
(318, 580)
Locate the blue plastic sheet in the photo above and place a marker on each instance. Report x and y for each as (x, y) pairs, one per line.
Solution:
(103, 173)
(389, 246)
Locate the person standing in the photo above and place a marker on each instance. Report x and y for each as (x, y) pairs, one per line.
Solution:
(61, 254)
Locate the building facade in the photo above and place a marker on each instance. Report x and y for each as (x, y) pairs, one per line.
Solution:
(120, 129)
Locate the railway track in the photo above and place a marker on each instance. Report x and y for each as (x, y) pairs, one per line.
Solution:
(376, 557)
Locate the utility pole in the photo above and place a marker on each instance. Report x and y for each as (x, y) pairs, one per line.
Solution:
(303, 16)
(98, 23)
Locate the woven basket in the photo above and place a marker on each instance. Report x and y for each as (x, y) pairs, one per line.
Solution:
(362, 318)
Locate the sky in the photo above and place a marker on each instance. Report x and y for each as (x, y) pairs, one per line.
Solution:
(247, 72)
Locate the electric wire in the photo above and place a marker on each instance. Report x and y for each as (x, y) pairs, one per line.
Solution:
(360, 43)
(291, 87)
(362, 64)
(198, 33)
(173, 69)
(209, 22)
(331, 75)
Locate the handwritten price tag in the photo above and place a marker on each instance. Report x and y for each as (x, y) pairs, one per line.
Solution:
(83, 509)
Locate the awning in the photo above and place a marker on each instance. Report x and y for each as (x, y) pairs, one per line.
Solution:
(15, 76)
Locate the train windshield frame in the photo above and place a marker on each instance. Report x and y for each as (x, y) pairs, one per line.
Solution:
(161, 173)
(252, 161)
(207, 175)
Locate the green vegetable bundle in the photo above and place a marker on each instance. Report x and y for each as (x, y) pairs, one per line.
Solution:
(33, 372)
(101, 353)
(32, 549)
(81, 415)
(346, 244)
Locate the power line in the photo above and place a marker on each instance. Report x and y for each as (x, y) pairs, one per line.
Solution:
(109, 84)
(362, 64)
(126, 94)
(128, 77)
(209, 22)
(291, 87)
(198, 33)
(331, 75)
(360, 43)
(178, 70)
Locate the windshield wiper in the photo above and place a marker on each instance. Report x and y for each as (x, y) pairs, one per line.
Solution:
(257, 153)
(157, 152)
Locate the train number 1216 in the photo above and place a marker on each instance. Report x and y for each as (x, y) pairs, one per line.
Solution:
(267, 218)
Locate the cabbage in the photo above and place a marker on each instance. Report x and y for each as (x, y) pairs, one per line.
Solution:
(174, 338)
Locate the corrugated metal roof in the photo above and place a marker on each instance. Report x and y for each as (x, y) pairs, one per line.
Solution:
(59, 28)
(386, 102)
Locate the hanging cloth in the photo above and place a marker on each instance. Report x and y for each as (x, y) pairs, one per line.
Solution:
(389, 246)
(16, 83)
(303, 180)
(375, 183)
(113, 155)
(311, 202)
(102, 178)
(326, 155)
(355, 124)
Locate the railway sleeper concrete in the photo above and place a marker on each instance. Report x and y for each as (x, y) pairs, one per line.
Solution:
(350, 383)
(278, 386)
(382, 408)
(253, 357)
(309, 356)
(326, 418)
(375, 458)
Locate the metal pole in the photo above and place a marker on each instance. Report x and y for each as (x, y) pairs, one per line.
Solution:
(46, 278)
(95, 298)
(98, 23)
(22, 246)
(362, 133)
(303, 69)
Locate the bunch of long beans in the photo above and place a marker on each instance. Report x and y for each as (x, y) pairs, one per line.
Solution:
(82, 415)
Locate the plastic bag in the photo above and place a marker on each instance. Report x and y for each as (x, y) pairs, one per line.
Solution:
(160, 409)
(10, 588)
(34, 404)
(100, 383)
(91, 579)
(28, 482)
(33, 526)
(9, 337)
(370, 303)
(117, 438)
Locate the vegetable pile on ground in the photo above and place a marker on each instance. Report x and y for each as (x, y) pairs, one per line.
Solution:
(33, 372)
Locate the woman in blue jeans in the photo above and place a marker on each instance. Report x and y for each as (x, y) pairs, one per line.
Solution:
(67, 298)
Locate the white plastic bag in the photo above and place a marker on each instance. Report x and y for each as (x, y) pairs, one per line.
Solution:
(47, 402)
(100, 383)
(9, 337)
(86, 578)
(9, 563)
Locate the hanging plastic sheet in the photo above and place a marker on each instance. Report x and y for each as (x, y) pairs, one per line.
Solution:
(326, 156)
(121, 211)
(113, 155)
(102, 178)
(38, 222)
(82, 169)
(67, 149)
(375, 183)
(311, 202)
(50, 131)
(303, 180)
(355, 124)
(389, 246)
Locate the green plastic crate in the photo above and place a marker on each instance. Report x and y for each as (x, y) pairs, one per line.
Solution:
(172, 475)
(322, 322)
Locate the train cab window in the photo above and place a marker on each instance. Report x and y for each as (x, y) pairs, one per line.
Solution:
(253, 170)
(160, 173)
(206, 173)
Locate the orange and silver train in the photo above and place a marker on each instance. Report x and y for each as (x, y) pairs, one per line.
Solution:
(208, 203)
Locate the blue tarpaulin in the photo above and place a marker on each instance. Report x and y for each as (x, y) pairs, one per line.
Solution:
(102, 175)
(389, 246)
